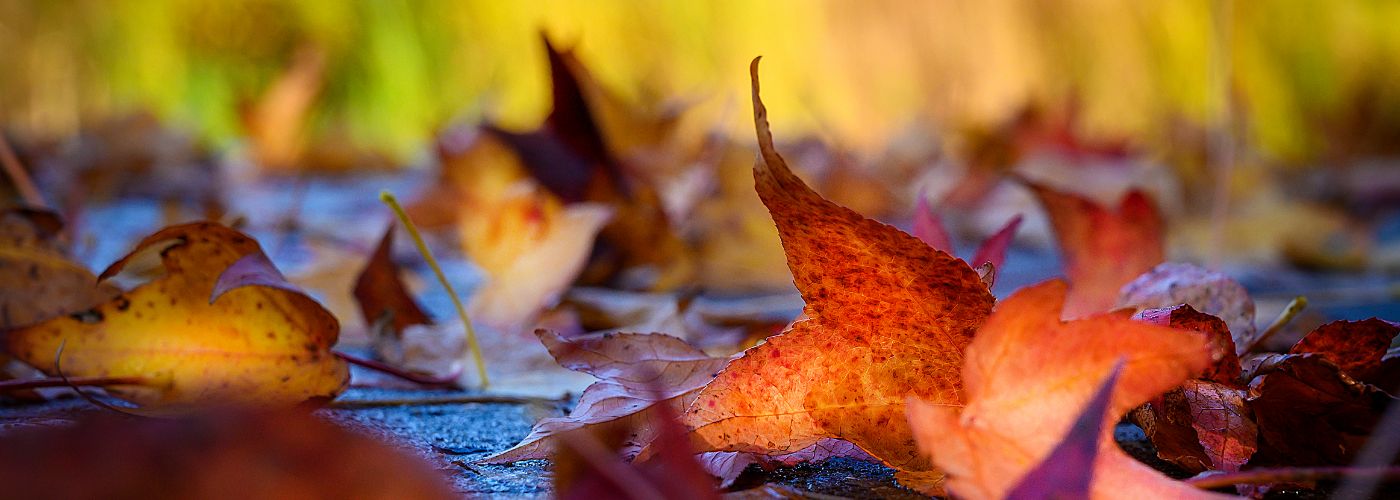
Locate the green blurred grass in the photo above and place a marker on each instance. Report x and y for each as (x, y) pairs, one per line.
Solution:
(859, 71)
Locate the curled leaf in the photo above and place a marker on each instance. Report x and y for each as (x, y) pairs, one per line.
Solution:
(198, 334)
(639, 371)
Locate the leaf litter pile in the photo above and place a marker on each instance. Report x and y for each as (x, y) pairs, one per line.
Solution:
(631, 297)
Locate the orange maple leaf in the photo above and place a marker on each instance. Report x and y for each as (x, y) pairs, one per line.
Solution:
(887, 317)
(1028, 375)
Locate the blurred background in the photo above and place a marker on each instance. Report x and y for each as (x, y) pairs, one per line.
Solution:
(1266, 131)
(1293, 74)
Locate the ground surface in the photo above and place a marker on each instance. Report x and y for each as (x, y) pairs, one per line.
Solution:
(453, 434)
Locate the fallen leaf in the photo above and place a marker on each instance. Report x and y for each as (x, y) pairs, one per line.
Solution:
(1204, 424)
(37, 281)
(1103, 249)
(638, 371)
(887, 317)
(992, 250)
(220, 327)
(531, 248)
(400, 332)
(639, 362)
(638, 248)
(593, 462)
(1027, 373)
(382, 295)
(1356, 347)
(223, 455)
(1309, 412)
(1207, 291)
(1067, 472)
(277, 123)
(1226, 367)
(1223, 424)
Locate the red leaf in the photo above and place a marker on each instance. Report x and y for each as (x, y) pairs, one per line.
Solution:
(1354, 346)
(1103, 249)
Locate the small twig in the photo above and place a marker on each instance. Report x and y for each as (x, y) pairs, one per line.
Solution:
(385, 368)
(441, 400)
(1214, 480)
(608, 466)
(20, 385)
(57, 368)
(16, 172)
(289, 226)
(1289, 312)
(393, 203)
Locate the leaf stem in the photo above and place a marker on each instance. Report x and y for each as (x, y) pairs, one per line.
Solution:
(21, 179)
(1289, 312)
(20, 385)
(387, 369)
(441, 400)
(393, 203)
(1208, 481)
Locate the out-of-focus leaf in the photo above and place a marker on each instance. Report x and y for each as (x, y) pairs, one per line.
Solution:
(224, 455)
(198, 335)
(638, 371)
(639, 247)
(37, 281)
(531, 249)
(887, 317)
(1027, 374)
(993, 249)
(930, 230)
(1067, 472)
(1103, 248)
(1207, 291)
(595, 462)
(382, 294)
